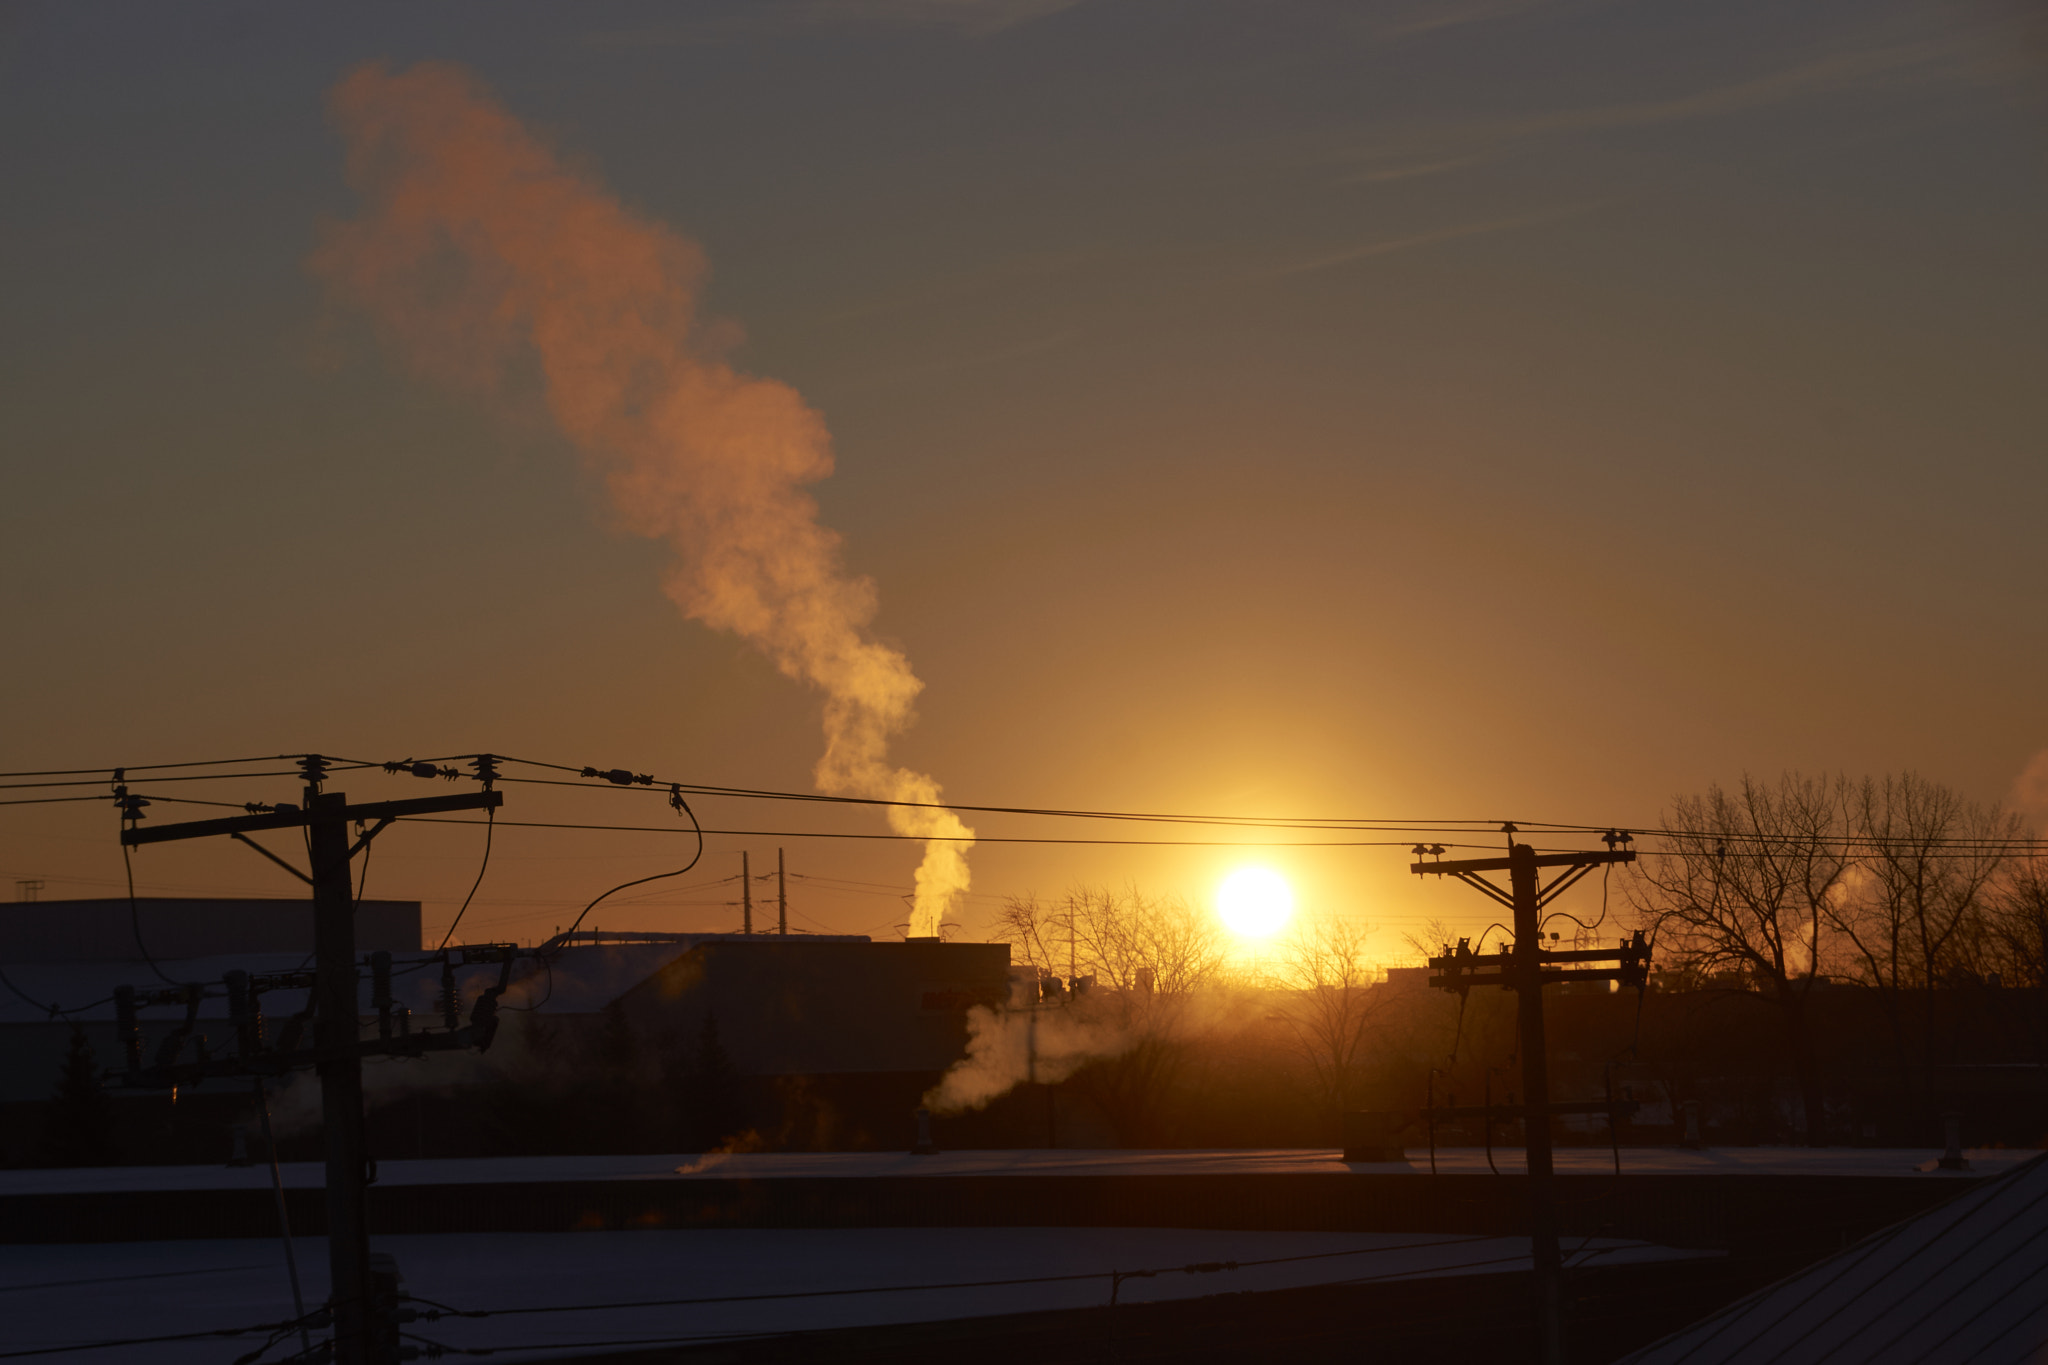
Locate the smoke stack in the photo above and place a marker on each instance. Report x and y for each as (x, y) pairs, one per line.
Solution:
(1952, 1127)
(477, 250)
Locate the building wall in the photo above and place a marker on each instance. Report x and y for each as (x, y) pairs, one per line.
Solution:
(178, 927)
(787, 1007)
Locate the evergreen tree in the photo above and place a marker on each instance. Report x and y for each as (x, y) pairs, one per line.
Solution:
(78, 1123)
(713, 1090)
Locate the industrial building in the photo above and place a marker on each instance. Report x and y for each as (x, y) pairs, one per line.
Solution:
(71, 954)
(613, 1039)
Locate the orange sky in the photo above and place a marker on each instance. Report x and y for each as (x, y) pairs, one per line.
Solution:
(1532, 412)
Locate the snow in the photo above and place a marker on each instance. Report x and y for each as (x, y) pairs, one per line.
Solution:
(68, 1295)
(1902, 1164)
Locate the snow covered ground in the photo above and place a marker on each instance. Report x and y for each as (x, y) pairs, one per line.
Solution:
(69, 1295)
(787, 1165)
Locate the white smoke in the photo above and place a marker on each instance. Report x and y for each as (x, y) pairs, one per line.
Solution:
(478, 250)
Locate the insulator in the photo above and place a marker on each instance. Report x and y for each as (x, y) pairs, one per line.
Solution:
(242, 1012)
(129, 1029)
(451, 998)
(380, 991)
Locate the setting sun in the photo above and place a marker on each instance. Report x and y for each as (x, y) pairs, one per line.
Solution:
(1255, 902)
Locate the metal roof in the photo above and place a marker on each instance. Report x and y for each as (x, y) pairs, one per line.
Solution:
(1965, 1281)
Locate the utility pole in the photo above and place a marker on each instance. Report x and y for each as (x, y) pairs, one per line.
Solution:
(337, 1030)
(335, 1035)
(781, 897)
(1522, 970)
(746, 896)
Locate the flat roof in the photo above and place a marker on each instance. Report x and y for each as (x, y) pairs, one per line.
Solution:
(66, 1296)
(1903, 1164)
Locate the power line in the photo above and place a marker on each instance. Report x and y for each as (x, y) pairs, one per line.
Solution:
(1199, 1267)
(976, 839)
(192, 777)
(156, 767)
(490, 828)
(153, 1341)
(619, 779)
(624, 780)
(1389, 824)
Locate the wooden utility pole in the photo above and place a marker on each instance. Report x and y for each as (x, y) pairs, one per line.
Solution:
(781, 897)
(359, 1339)
(746, 896)
(1522, 970)
(336, 1031)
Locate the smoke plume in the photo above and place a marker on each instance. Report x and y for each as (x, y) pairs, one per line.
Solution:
(2030, 792)
(478, 254)
(1007, 1048)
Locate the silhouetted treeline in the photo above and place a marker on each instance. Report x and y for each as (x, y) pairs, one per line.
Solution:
(1899, 885)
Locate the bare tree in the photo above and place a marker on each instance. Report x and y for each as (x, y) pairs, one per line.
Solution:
(1741, 893)
(1435, 938)
(1127, 940)
(1327, 1000)
(1930, 859)
(2017, 933)
(1148, 957)
(2018, 922)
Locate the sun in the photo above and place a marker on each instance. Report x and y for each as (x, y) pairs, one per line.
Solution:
(1255, 902)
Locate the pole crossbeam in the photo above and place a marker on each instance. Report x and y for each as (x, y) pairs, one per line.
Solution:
(292, 817)
(277, 1063)
(1513, 980)
(1506, 1113)
(1486, 888)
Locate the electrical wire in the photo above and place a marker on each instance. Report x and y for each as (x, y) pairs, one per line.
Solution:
(1576, 1260)
(135, 918)
(154, 1341)
(1606, 869)
(1200, 1267)
(1479, 943)
(158, 767)
(50, 800)
(965, 839)
(49, 1010)
(490, 828)
(1467, 825)
(171, 777)
(1959, 847)
(577, 923)
(658, 786)
(561, 941)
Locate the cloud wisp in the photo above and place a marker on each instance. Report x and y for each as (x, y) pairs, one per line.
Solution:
(1448, 146)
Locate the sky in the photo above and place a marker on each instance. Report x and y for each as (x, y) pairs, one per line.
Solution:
(1495, 410)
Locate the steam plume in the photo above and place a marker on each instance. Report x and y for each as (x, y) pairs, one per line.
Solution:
(1007, 1048)
(477, 250)
(2030, 792)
